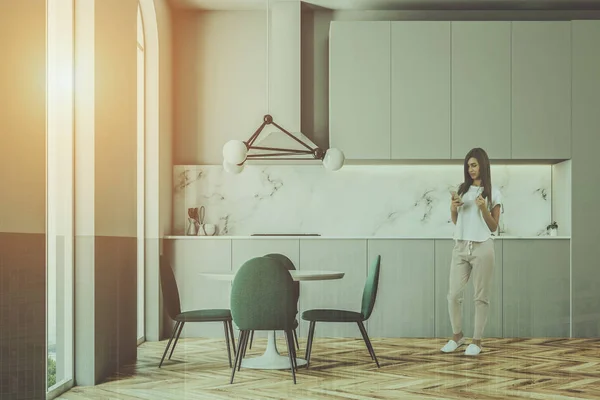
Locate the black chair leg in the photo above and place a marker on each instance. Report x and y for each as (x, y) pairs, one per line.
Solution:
(176, 339)
(296, 339)
(227, 341)
(232, 336)
(311, 333)
(245, 347)
(290, 345)
(367, 342)
(251, 339)
(238, 356)
(295, 356)
(242, 347)
(240, 337)
(175, 328)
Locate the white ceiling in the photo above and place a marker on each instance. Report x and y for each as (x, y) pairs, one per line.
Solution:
(399, 4)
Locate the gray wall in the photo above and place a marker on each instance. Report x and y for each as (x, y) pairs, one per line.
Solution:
(106, 189)
(586, 190)
(23, 200)
(116, 304)
(115, 191)
(22, 315)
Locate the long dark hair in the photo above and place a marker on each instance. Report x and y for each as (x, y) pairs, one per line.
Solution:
(484, 174)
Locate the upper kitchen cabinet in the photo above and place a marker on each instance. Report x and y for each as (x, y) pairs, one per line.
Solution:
(359, 89)
(481, 97)
(420, 90)
(541, 90)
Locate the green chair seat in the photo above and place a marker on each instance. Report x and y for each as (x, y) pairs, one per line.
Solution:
(332, 316)
(204, 315)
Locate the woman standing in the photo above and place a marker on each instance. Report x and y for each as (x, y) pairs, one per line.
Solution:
(475, 211)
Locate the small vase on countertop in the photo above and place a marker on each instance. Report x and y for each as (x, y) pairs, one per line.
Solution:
(552, 229)
(193, 222)
(192, 229)
(207, 230)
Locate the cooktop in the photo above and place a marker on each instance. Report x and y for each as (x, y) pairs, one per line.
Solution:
(285, 234)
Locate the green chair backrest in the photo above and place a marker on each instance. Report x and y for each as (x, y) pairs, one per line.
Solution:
(169, 288)
(370, 290)
(290, 267)
(262, 296)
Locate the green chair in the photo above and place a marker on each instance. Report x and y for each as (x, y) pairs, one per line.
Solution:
(262, 299)
(368, 302)
(173, 306)
(289, 265)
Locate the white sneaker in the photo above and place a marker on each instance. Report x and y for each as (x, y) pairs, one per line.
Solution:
(452, 345)
(472, 350)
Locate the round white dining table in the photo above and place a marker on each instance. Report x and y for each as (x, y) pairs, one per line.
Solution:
(271, 359)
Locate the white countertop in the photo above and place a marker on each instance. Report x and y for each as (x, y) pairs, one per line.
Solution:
(181, 237)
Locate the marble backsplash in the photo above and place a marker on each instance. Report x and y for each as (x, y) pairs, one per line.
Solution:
(358, 200)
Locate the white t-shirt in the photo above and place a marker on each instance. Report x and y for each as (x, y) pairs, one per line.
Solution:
(470, 224)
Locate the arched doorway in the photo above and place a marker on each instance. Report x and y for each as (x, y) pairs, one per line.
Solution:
(148, 171)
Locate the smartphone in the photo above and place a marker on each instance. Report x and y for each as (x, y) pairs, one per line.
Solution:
(455, 195)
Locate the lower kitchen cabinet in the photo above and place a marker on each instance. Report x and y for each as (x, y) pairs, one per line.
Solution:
(536, 288)
(405, 299)
(530, 295)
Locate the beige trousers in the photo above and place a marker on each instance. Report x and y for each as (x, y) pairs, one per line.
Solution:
(476, 259)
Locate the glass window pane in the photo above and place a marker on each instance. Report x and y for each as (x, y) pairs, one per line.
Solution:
(59, 250)
(141, 134)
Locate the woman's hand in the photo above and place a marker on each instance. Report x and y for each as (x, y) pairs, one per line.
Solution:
(456, 202)
(480, 201)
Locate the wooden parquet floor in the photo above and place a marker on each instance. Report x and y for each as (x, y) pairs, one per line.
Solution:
(545, 369)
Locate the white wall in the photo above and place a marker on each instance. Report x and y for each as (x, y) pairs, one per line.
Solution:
(165, 47)
(23, 117)
(154, 314)
(219, 81)
(158, 147)
(115, 108)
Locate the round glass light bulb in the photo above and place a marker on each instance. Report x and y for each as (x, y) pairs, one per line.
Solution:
(235, 151)
(334, 159)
